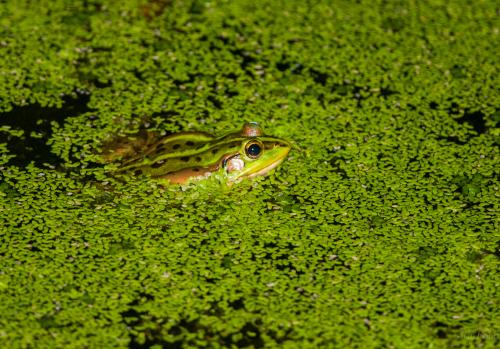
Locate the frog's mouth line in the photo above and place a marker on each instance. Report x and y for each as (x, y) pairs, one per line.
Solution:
(267, 168)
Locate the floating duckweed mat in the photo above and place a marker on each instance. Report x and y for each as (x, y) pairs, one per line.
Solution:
(381, 230)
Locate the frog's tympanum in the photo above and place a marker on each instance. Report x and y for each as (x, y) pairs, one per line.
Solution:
(187, 156)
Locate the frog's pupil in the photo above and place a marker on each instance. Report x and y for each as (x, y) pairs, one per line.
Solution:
(254, 150)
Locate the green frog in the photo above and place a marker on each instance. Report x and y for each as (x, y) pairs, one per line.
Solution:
(188, 156)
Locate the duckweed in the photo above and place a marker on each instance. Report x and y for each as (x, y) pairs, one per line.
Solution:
(380, 230)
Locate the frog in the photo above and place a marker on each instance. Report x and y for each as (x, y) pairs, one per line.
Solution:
(191, 156)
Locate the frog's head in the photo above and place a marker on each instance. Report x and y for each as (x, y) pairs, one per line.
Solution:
(256, 155)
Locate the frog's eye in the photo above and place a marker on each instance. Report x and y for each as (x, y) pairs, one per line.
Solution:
(254, 148)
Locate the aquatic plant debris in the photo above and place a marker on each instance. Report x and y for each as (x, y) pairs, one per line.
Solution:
(383, 231)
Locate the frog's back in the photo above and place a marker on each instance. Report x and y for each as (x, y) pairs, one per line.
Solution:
(195, 152)
(183, 153)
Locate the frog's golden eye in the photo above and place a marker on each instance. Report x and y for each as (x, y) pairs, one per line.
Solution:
(254, 149)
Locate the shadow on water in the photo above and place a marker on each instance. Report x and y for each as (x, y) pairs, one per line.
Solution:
(474, 119)
(35, 121)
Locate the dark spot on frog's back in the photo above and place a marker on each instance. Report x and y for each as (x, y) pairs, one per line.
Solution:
(185, 158)
(160, 147)
(137, 172)
(157, 164)
(176, 146)
(189, 143)
(198, 159)
(215, 150)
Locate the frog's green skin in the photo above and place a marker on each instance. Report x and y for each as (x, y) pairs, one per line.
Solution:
(186, 156)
